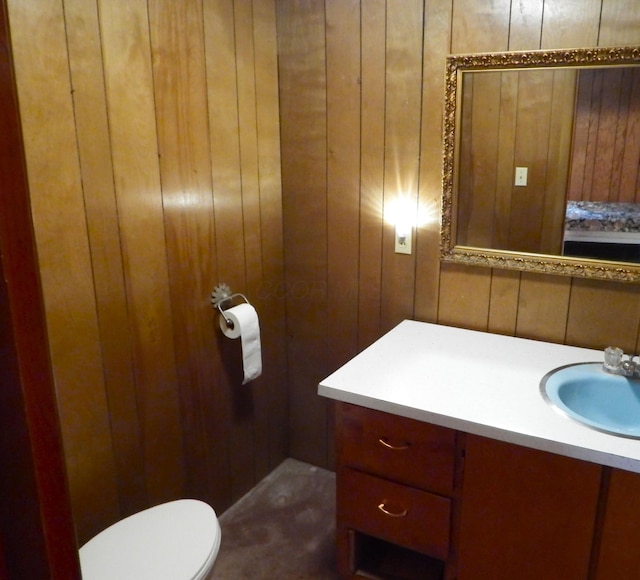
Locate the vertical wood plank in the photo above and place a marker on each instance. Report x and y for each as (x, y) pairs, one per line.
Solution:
(503, 307)
(629, 180)
(532, 141)
(620, 138)
(506, 130)
(591, 150)
(604, 313)
(480, 26)
(249, 441)
(558, 161)
(464, 296)
(620, 23)
(90, 107)
(607, 126)
(542, 307)
(570, 24)
(476, 225)
(180, 100)
(525, 24)
(580, 134)
(130, 98)
(271, 295)
(402, 149)
(373, 16)
(302, 68)
(64, 257)
(437, 34)
(231, 252)
(343, 177)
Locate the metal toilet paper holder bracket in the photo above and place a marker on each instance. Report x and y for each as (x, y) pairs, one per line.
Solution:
(222, 294)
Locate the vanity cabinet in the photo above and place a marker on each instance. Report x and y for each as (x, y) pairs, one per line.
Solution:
(395, 484)
(459, 502)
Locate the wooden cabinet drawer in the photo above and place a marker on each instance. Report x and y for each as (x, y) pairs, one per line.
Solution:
(397, 448)
(403, 515)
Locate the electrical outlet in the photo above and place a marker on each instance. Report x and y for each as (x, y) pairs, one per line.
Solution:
(403, 241)
(521, 176)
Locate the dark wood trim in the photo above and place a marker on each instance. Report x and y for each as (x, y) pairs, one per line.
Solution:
(36, 526)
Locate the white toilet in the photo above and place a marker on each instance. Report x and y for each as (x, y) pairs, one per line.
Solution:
(178, 540)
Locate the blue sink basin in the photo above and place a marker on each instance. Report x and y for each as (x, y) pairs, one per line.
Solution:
(587, 394)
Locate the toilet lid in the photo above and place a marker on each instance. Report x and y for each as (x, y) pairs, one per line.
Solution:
(174, 541)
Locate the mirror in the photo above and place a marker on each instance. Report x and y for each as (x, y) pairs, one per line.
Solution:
(541, 162)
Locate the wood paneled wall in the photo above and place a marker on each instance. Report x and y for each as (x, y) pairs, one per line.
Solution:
(361, 92)
(606, 141)
(154, 140)
(152, 146)
(514, 119)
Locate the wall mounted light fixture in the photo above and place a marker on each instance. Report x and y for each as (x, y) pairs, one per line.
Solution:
(401, 214)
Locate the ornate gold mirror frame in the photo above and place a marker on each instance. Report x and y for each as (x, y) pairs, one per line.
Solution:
(450, 251)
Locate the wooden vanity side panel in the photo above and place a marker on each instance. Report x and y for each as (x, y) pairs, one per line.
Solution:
(619, 557)
(416, 453)
(525, 514)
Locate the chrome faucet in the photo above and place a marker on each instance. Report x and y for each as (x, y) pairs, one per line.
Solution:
(628, 367)
(616, 364)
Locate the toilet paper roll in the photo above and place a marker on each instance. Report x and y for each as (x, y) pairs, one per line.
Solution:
(247, 327)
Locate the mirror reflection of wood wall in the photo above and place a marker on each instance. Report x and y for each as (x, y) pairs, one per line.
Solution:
(514, 119)
(606, 142)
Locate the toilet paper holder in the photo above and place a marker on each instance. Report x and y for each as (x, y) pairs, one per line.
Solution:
(221, 294)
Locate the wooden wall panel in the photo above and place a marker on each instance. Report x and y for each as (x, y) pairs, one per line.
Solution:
(181, 104)
(343, 176)
(372, 103)
(134, 147)
(270, 297)
(604, 313)
(606, 139)
(404, 35)
(85, 61)
(64, 257)
(557, 162)
(510, 120)
(558, 309)
(303, 109)
(343, 184)
(619, 23)
(174, 168)
(437, 32)
(154, 168)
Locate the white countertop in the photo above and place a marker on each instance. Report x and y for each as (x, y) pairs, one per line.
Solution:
(476, 382)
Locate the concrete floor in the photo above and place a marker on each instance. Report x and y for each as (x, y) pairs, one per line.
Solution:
(283, 529)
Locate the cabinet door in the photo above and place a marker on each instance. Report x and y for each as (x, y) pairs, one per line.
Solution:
(619, 548)
(525, 514)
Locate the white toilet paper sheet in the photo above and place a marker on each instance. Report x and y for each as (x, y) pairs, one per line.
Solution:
(247, 327)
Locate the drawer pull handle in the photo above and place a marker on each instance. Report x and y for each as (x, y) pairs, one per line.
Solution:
(388, 445)
(382, 507)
